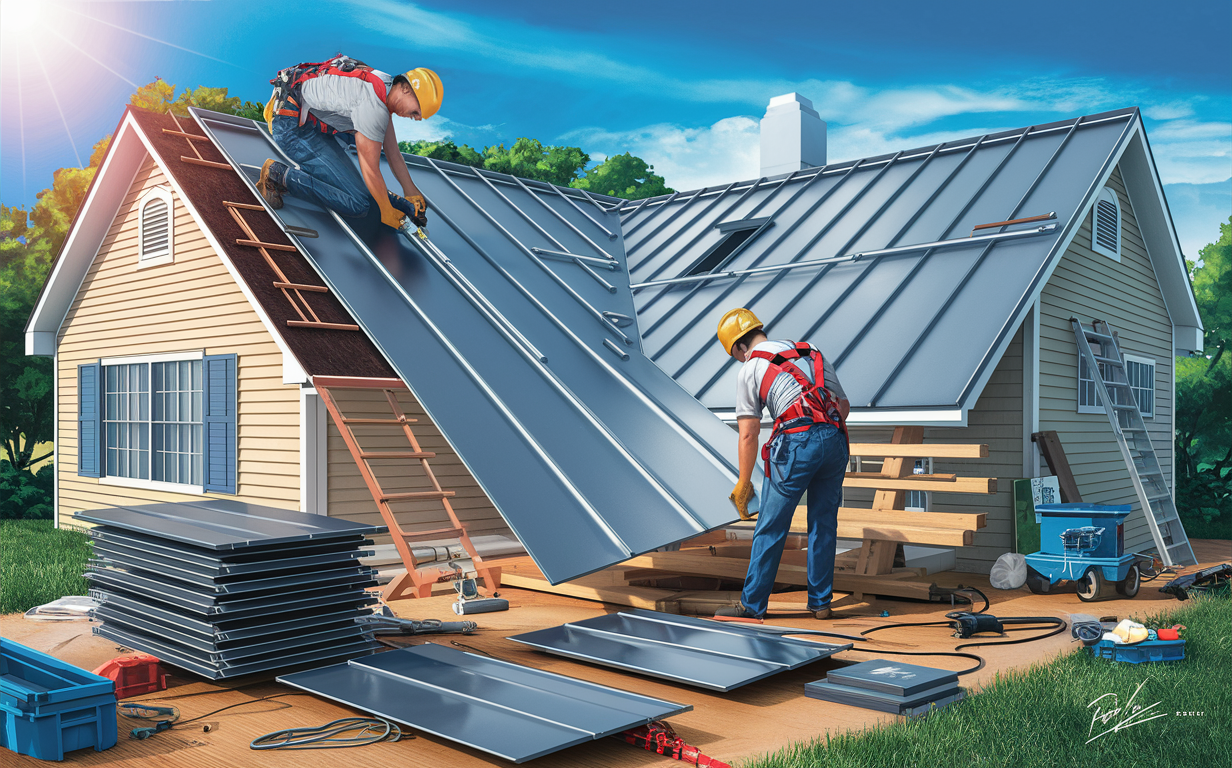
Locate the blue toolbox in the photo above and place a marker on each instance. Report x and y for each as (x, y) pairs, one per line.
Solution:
(1084, 543)
(1145, 652)
(49, 707)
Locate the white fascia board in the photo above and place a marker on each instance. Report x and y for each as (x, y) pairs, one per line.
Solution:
(1186, 340)
(292, 371)
(112, 182)
(1146, 196)
(924, 417)
(1054, 258)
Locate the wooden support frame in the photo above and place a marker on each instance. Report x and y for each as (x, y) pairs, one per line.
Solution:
(1050, 447)
(416, 582)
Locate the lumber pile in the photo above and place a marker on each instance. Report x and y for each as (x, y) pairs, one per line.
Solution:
(719, 559)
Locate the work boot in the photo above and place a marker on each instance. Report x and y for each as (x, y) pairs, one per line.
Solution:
(736, 612)
(272, 182)
(822, 613)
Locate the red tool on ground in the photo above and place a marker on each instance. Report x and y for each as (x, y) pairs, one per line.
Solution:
(134, 674)
(659, 737)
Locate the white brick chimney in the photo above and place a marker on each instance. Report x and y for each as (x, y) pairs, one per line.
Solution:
(793, 136)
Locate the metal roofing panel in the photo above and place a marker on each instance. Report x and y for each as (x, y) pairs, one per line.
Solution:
(514, 712)
(912, 329)
(179, 558)
(528, 363)
(223, 524)
(707, 654)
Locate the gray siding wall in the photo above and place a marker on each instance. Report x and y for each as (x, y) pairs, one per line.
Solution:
(1126, 294)
(995, 420)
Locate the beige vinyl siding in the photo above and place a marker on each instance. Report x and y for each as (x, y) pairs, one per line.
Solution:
(350, 498)
(1126, 294)
(190, 304)
(996, 420)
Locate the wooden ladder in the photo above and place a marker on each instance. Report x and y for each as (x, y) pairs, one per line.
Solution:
(416, 582)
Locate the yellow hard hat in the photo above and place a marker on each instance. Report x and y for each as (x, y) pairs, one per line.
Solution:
(734, 325)
(428, 89)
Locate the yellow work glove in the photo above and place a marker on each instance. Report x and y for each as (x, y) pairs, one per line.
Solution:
(741, 497)
(420, 217)
(390, 216)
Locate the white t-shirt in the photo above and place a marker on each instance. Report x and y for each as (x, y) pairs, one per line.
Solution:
(348, 103)
(785, 389)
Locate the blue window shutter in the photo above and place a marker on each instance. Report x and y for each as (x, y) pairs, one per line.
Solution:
(218, 449)
(89, 420)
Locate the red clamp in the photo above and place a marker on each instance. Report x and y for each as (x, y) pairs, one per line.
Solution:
(659, 737)
(134, 674)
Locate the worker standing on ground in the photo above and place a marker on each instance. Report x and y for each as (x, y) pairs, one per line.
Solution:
(807, 450)
(316, 105)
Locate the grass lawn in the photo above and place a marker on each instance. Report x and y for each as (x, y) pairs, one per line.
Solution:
(39, 563)
(1043, 716)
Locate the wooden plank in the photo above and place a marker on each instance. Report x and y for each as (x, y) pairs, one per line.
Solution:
(923, 451)
(266, 246)
(634, 597)
(889, 497)
(946, 478)
(206, 163)
(322, 326)
(1049, 443)
(959, 485)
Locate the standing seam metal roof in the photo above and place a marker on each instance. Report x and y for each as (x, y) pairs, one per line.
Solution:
(912, 328)
(514, 327)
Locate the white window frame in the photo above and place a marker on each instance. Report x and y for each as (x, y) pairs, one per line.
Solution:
(1107, 194)
(919, 466)
(1096, 405)
(164, 256)
(133, 482)
(1142, 361)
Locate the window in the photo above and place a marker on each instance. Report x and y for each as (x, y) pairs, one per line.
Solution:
(1089, 400)
(736, 234)
(1106, 225)
(155, 228)
(918, 500)
(1141, 374)
(164, 420)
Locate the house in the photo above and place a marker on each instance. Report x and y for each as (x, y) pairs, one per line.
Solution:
(931, 317)
(560, 391)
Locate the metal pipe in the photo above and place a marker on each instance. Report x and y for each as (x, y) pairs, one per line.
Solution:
(597, 277)
(564, 220)
(620, 352)
(919, 341)
(607, 264)
(610, 234)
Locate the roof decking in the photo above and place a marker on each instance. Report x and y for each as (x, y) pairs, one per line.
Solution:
(914, 329)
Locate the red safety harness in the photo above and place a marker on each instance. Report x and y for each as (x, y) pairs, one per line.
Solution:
(814, 402)
(289, 82)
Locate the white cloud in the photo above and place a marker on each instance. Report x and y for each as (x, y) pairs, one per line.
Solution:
(1169, 111)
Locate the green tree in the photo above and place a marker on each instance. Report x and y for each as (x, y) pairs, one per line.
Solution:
(1204, 394)
(531, 159)
(626, 176)
(159, 96)
(443, 150)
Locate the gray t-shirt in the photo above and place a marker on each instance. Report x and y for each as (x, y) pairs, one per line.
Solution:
(348, 104)
(785, 389)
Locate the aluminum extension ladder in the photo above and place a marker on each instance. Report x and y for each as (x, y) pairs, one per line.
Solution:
(1108, 371)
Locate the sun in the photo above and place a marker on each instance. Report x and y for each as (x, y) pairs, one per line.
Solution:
(18, 17)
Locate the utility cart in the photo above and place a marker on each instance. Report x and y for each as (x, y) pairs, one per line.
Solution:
(1083, 543)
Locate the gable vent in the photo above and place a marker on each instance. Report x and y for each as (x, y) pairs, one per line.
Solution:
(155, 228)
(1106, 225)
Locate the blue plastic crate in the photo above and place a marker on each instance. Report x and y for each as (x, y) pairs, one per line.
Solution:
(1145, 652)
(48, 707)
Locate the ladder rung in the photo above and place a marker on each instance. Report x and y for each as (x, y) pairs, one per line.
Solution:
(206, 163)
(192, 136)
(398, 422)
(1098, 336)
(302, 287)
(1107, 360)
(1125, 407)
(267, 246)
(243, 206)
(417, 495)
(1159, 496)
(322, 326)
(397, 455)
(440, 533)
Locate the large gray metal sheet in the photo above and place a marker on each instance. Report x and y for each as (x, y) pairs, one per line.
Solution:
(706, 654)
(898, 329)
(223, 524)
(509, 353)
(302, 578)
(171, 557)
(514, 712)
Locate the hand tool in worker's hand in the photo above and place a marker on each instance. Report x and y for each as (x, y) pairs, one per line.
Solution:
(741, 497)
(416, 210)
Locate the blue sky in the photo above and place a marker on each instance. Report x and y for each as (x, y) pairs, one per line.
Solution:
(681, 84)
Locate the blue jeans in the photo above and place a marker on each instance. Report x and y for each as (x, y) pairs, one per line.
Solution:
(325, 174)
(814, 460)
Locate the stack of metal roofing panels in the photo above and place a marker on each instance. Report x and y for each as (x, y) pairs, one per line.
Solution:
(708, 654)
(223, 588)
(504, 709)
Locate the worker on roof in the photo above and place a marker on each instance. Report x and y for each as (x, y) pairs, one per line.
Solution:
(807, 451)
(315, 106)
